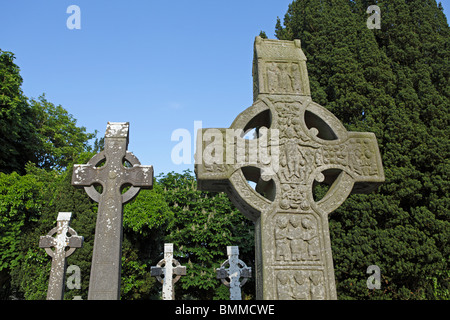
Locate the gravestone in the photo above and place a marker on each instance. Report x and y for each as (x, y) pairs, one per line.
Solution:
(168, 271)
(109, 170)
(60, 242)
(237, 269)
(297, 144)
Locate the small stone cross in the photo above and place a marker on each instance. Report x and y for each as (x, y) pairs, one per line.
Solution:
(108, 169)
(170, 269)
(59, 254)
(297, 144)
(237, 269)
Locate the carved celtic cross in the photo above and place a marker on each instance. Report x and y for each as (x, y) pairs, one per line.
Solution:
(168, 271)
(108, 169)
(297, 144)
(236, 269)
(59, 254)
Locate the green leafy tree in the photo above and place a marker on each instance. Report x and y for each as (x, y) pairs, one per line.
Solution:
(29, 276)
(204, 225)
(21, 200)
(34, 131)
(17, 138)
(393, 82)
(60, 140)
(146, 220)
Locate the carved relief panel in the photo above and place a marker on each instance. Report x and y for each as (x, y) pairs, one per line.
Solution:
(283, 77)
(301, 284)
(296, 238)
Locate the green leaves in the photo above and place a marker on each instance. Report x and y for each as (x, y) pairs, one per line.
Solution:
(20, 202)
(16, 138)
(59, 139)
(204, 224)
(148, 211)
(34, 131)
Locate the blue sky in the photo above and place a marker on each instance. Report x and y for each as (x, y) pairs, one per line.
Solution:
(161, 65)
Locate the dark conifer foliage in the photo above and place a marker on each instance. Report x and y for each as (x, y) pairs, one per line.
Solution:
(393, 81)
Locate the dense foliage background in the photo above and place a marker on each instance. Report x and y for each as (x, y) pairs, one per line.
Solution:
(393, 82)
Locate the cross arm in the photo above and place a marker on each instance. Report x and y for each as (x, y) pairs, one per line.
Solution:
(85, 175)
(225, 160)
(76, 241)
(365, 162)
(156, 271)
(362, 170)
(47, 241)
(139, 176)
(179, 271)
(246, 272)
(221, 273)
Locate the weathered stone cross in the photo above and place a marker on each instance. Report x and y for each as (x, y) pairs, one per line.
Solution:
(237, 269)
(168, 267)
(113, 176)
(59, 254)
(298, 144)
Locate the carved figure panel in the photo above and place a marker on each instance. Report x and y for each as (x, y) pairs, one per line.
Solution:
(283, 77)
(296, 238)
(300, 285)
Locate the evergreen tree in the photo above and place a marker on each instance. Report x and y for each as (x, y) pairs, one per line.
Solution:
(393, 82)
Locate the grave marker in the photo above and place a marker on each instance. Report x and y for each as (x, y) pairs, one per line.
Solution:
(165, 271)
(237, 269)
(300, 144)
(60, 242)
(113, 176)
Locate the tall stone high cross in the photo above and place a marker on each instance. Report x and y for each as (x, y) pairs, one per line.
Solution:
(170, 269)
(60, 242)
(297, 144)
(237, 269)
(108, 169)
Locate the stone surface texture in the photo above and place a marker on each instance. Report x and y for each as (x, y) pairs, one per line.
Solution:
(298, 144)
